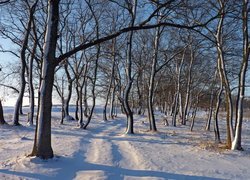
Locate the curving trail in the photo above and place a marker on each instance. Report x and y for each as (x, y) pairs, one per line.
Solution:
(110, 155)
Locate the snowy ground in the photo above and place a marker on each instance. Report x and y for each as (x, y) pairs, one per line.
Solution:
(104, 152)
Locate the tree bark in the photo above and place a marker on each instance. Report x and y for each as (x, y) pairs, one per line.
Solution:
(176, 100)
(23, 66)
(63, 103)
(223, 75)
(77, 100)
(152, 124)
(93, 87)
(111, 80)
(187, 98)
(210, 111)
(82, 96)
(129, 113)
(194, 113)
(236, 145)
(43, 147)
(216, 125)
(112, 102)
(70, 86)
(2, 121)
(31, 87)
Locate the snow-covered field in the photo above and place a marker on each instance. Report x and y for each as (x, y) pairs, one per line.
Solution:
(104, 152)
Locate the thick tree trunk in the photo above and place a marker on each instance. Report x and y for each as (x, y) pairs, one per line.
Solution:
(43, 147)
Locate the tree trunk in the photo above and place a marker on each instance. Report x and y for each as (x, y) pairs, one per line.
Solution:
(82, 96)
(129, 113)
(223, 75)
(175, 108)
(210, 111)
(151, 116)
(194, 114)
(180, 107)
(139, 85)
(43, 147)
(184, 116)
(31, 87)
(77, 100)
(23, 66)
(236, 145)
(176, 100)
(70, 86)
(93, 87)
(80, 122)
(85, 102)
(112, 102)
(216, 125)
(95, 72)
(2, 121)
(21, 106)
(62, 103)
(111, 80)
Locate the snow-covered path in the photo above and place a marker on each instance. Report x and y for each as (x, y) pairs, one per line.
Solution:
(104, 152)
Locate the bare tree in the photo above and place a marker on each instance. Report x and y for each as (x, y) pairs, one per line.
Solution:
(179, 66)
(111, 83)
(151, 116)
(130, 129)
(23, 64)
(42, 145)
(188, 89)
(236, 145)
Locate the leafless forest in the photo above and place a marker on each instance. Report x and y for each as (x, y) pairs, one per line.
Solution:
(178, 57)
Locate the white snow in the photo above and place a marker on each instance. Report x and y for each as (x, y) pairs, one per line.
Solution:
(104, 152)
